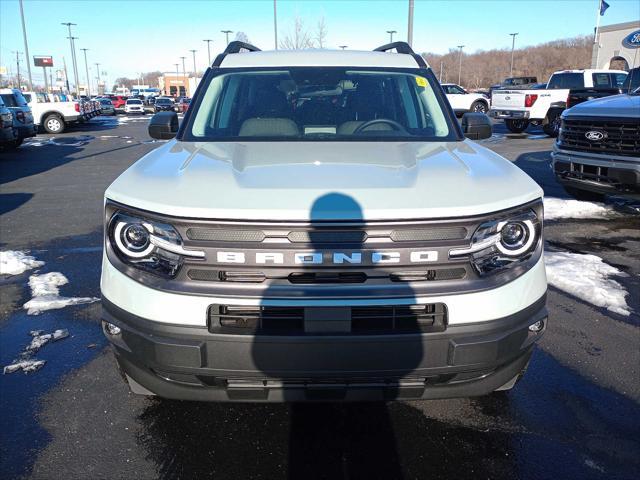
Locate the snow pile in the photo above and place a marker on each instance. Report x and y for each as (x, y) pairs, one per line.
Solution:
(16, 262)
(25, 362)
(587, 277)
(46, 294)
(39, 339)
(556, 208)
(27, 366)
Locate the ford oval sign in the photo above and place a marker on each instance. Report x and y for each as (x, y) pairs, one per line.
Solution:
(632, 40)
(595, 135)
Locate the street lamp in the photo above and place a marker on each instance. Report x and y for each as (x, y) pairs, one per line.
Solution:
(18, 66)
(98, 76)
(73, 52)
(391, 32)
(26, 48)
(208, 51)
(86, 68)
(227, 32)
(184, 76)
(177, 75)
(513, 44)
(410, 26)
(193, 52)
(460, 67)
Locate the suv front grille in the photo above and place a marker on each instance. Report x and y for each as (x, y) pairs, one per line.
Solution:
(622, 137)
(365, 320)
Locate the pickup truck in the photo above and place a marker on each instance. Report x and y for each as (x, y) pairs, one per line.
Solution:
(514, 83)
(598, 149)
(54, 117)
(520, 108)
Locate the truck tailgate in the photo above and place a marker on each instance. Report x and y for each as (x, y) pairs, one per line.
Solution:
(507, 100)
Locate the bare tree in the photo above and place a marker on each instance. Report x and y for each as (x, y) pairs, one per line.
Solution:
(300, 39)
(321, 33)
(487, 67)
(242, 37)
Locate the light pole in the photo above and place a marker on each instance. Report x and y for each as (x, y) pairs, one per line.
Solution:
(208, 51)
(184, 75)
(226, 32)
(177, 76)
(275, 24)
(26, 47)
(193, 52)
(460, 67)
(86, 67)
(18, 66)
(513, 44)
(73, 52)
(391, 32)
(410, 27)
(343, 46)
(98, 76)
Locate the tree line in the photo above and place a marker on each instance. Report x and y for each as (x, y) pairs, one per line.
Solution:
(484, 68)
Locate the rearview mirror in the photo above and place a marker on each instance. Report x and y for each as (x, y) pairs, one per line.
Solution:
(163, 125)
(476, 126)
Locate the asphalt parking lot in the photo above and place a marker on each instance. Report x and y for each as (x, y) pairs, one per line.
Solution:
(575, 414)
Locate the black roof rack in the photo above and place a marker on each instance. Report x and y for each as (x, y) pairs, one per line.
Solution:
(405, 48)
(236, 46)
(400, 47)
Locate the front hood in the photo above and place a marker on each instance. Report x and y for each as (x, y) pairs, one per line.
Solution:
(323, 180)
(613, 106)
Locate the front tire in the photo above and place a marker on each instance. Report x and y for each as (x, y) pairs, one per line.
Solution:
(53, 124)
(479, 107)
(552, 125)
(516, 126)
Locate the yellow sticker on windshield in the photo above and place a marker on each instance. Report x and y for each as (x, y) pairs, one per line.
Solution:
(421, 81)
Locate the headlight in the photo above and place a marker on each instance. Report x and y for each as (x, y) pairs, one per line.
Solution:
(148, 245)
(503, 243)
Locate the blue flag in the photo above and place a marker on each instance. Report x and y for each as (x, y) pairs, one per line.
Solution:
(603, 7)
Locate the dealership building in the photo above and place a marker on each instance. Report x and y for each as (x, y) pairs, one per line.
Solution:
(618, 46)
(177, 85)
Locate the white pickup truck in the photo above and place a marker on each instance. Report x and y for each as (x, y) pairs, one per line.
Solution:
(54, 116)
(565, 88)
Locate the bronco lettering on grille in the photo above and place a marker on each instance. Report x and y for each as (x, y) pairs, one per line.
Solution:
(335, 258)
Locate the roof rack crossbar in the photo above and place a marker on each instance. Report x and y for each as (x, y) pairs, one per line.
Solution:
(400, 47)
(236, 46)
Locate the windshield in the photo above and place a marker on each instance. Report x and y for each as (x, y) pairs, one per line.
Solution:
(134, 102)
(165, 101)
(566, 80)
(632, 82)
(312, 103)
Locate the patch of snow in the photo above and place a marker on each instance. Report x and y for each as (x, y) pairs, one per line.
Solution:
(17, 262)
(25, 362)
(557, 208)
(537, 137)
(587, 278)
(29, 365)
(39, 339)
(46, 294)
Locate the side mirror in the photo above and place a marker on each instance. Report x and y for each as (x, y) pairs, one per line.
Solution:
(476, 126)
(163, 125)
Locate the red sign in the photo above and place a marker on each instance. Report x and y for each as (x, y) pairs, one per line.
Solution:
(43, 61)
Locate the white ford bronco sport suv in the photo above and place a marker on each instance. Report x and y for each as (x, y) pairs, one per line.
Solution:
(319, 230)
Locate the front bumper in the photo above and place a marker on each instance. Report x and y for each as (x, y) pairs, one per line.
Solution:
(26, 131)
(509, 114)
(597, 173)
(191, 363)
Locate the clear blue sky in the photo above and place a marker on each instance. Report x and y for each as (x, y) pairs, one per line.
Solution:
(132, 36)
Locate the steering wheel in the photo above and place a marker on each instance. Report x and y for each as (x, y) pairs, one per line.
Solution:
(380, 121)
